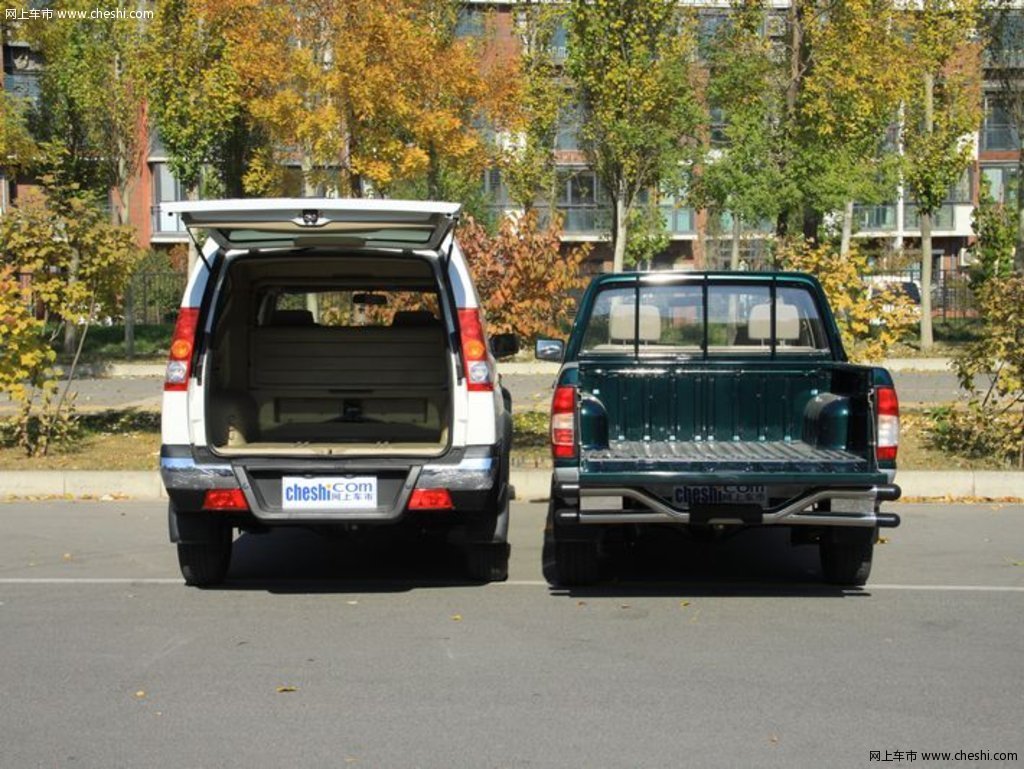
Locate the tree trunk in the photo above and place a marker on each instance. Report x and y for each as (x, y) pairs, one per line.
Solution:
(847, 236)
(926, 230)
(619, 257)
(129, 320)
(309, 189)
(1018, 260)
(734, 252)
(926, 281)
(71, 323)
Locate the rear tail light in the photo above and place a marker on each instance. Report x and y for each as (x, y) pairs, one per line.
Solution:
(179, 362)
(888, 428)
(430, 499)
(563, 425)
(225, 499)
(479, 369)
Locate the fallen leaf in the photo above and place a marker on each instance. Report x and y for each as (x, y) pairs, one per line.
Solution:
(140, 694)
(67, 556)
(883, 540)
(1016, 563)
(625, 606)
(774, 739)
(683, 604)
(285, 689)
(107, 498)
(581, 603)
(456, 618)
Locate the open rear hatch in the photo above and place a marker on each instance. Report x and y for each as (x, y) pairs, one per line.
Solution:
(331, 328)
(301, 222)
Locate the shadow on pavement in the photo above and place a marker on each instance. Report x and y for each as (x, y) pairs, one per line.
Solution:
(753, 562)
(303, 561)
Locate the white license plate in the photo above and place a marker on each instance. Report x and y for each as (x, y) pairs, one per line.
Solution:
(720, 495)
(328, 493)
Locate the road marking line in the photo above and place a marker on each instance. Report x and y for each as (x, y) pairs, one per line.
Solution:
(89, 581)
(951, 588)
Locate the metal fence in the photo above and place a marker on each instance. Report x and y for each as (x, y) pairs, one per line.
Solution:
(951, 292)
(153, 297)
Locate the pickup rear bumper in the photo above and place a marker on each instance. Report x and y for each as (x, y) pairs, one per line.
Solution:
(861, 504)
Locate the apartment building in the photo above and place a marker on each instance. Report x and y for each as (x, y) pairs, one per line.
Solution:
(697, 240)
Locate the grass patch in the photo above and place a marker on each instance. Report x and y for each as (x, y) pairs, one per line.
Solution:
(107, 342)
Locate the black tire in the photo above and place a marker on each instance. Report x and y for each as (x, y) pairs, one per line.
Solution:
(205, 564)
(487, 561)
(574, 564)
(846, 556)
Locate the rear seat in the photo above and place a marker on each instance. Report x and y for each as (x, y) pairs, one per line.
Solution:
(373, 383)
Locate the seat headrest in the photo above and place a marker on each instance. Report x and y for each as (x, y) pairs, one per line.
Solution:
(406, 318)
(787, 322)
(621, 323)
(292, 318)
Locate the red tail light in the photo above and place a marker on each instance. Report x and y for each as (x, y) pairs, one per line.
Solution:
(179, 362)
(225, 499)
(888, 425)
(478, 366)
(430, 499)
(563, 424)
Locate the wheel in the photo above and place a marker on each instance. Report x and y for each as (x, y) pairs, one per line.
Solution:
(487, 561)
(574, 563)
(205, 564)
(846, 555)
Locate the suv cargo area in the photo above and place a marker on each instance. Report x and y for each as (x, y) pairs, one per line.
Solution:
(329, 356)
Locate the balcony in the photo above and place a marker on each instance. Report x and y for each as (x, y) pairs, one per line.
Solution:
(943, 219)
(678, 220)
(883, 218)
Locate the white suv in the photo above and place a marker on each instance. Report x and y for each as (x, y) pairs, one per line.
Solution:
(330, 368)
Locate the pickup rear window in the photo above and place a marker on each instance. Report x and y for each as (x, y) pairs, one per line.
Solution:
(727, 319)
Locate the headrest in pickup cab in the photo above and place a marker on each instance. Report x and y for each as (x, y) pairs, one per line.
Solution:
(787, 322)
(621, 323)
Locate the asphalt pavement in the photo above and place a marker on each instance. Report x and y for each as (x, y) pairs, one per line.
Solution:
(368, 652)
(530, 392)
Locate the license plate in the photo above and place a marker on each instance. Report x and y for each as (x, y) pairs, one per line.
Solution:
(331, 493)
(720, 495)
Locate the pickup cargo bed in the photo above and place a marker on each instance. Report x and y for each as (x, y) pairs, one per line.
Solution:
(721, 456)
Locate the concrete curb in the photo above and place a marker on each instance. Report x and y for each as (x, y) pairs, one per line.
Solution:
(531, 484)
(519, 368)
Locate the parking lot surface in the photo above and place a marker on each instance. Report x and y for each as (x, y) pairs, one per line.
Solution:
(368, 652)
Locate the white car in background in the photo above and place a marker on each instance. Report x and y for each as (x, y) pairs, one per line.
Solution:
(330, 368)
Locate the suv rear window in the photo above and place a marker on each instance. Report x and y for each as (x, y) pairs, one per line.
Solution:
(736, 320)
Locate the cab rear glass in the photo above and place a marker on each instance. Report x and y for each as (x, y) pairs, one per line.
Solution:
(698, 319)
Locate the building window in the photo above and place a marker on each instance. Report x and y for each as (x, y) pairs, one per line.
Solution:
(568, 135)
(998, 133)
(470, 22)
(166, 189)
(1003, 183)
(583, 202)
(719, 135)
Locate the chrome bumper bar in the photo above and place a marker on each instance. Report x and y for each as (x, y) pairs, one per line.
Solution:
(795, 512)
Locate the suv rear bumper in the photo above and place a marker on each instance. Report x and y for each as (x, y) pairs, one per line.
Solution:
(470, 474)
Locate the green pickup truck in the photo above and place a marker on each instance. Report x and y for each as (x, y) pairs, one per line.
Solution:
(714, 402)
